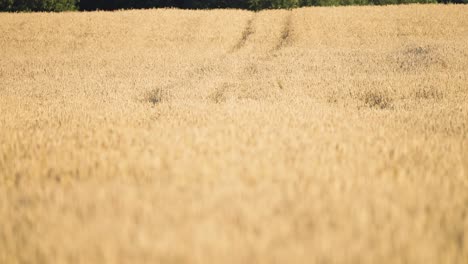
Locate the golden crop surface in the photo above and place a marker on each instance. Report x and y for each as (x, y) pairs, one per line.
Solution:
(314, 135)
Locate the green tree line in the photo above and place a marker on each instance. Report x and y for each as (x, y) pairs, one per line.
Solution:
(65, 5)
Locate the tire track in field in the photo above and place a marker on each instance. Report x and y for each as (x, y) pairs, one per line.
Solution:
(204, 73)
(286, 33)
(248, 51)
(246, 34)
(200, 76)
(253, 65)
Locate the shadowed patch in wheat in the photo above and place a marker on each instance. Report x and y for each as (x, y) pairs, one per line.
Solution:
(219, 95)
(377, 99)
(155, 96)
(429, 92)
(416, 58)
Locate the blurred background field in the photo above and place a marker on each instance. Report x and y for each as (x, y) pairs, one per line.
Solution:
(311, 135)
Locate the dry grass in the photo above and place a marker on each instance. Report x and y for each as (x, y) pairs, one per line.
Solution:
(315, 135)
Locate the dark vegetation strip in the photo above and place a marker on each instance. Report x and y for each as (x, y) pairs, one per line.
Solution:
(67, 5)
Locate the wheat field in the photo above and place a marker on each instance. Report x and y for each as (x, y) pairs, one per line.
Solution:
(313, 135)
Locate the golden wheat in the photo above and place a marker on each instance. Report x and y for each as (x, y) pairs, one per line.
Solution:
(314, 135)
